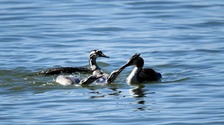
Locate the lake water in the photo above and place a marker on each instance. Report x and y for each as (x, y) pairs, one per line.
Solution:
(183, 40)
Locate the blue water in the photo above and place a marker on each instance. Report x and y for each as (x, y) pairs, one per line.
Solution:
(183, 40)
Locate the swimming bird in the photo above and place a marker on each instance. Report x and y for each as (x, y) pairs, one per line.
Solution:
(93, 66)
(96, 70)
(106, 78)
(94, 54)
(97, 73)
(140, 74)
(70, 80)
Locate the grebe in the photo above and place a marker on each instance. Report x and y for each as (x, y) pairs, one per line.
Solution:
(96, 70)
(140, 74)
(97, 73)
(94, 54)
(105, 78)
(97, 76)
(69, 80)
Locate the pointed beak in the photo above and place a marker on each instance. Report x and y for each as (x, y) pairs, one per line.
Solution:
(123, 67)
(105, 56)
(128, 64)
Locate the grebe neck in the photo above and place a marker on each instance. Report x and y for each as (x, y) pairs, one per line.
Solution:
(139, 62)
(133, 77)
(93, 64)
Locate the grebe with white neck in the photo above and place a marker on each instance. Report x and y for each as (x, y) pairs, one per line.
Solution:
(97, 73)
(97, 76)
(96, 70)
(106, 78)
(140, 74)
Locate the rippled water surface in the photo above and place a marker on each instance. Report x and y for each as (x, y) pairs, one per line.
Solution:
(183, 40)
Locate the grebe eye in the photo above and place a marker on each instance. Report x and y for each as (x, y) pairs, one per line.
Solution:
(100, 53)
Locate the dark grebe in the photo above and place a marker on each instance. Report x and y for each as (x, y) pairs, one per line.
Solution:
(140, 74)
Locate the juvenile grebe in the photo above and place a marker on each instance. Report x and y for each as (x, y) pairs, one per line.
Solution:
(94, 54)
(140, 74)
(106, 78)
(69, 80)
(97, 73)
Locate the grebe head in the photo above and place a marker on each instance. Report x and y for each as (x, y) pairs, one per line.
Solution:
(135, 60)
(97, 53)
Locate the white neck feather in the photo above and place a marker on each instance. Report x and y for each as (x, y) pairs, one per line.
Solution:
(133, 77)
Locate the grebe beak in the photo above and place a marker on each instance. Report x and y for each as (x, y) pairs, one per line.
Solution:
(105, 56)
(126, 65)
(129, 63)
(131, 60)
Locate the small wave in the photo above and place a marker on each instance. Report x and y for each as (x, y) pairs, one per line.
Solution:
(105, 29)
(174, 79)
(211, 23)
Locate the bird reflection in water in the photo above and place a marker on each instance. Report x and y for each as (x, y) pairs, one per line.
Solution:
(139, 93)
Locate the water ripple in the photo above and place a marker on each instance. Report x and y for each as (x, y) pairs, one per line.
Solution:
(183, 40)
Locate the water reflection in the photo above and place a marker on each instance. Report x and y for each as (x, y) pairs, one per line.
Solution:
(110, 92)
(138, 91)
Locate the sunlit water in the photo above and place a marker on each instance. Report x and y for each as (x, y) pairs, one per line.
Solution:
(183, 40)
